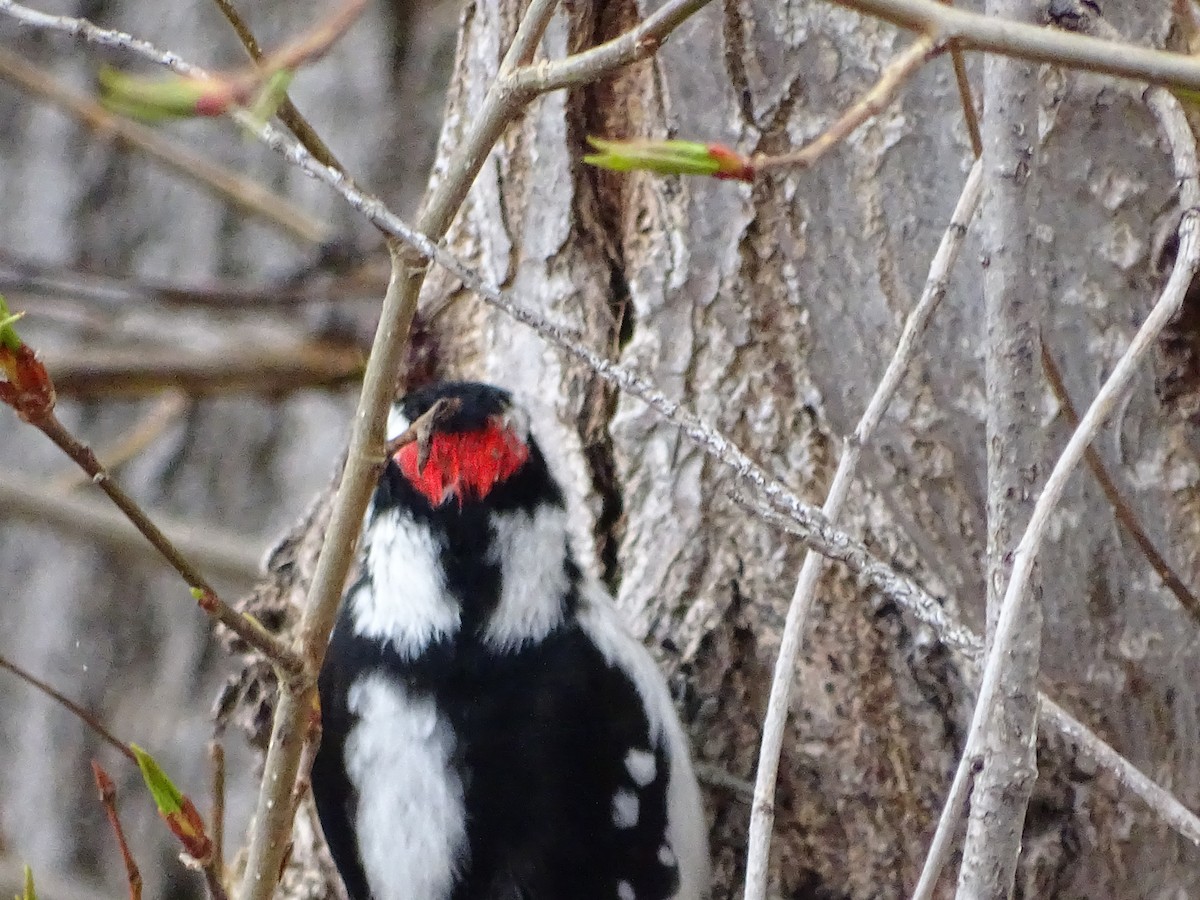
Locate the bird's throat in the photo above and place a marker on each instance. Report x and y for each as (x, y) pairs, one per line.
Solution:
(466, 465)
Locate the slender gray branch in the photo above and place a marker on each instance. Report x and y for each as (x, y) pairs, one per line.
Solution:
(1014, 307)
(976, 31)
(762, 816)
(1016, 595)
(640, 42)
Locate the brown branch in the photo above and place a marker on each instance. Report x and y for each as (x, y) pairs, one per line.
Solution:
(249, 630)
(148, 429)
(871, 104)
(272, 371)
(216, 759)
(421, 431)
(970, 116)
(108, 797)
(287, 112)
(1121, 509)
(212, 880)
(89, 719)
(243, 193)
(358, 283)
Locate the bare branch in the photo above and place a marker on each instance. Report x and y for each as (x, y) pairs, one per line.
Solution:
(89, 719)
(640, 42)
(142, 434)
(1121, 509)
(244, 627)
(273, 823)
(975, 31)
(871, 104)
(763, 812)
(216, 759)
(108, 797)
(83, 372)
(1013, 306)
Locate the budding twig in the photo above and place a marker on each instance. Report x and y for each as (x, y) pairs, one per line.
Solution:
(108, 797)
(89, 719)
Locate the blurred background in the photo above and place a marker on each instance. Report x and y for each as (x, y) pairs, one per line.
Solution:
(210, 356)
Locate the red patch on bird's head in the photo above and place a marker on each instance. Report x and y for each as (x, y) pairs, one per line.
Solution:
(466, 464)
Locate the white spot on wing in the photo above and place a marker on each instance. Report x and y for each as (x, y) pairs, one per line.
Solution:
(687, 832)
(625, 891)
(406, 603)
(666, 855)
(641, 766)
(410, 819)
(625, 809)
(531, 551)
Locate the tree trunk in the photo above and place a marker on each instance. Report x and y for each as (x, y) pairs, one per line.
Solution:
(771, 309)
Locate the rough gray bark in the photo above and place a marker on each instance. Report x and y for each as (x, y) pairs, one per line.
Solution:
(1014, 300)
(766, 308)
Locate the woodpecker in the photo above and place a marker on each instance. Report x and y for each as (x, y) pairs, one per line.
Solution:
(490, 729)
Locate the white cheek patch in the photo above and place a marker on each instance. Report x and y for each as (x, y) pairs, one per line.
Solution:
(397, 422)
(406, 604)
(531, 551)
(410, 818)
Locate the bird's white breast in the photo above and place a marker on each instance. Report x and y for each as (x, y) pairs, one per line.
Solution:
(410, 819)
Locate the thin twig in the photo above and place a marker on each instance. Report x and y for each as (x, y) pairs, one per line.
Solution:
(1123, 512)
(108, 797)
(216, 827)
(89, 719)
(144, 432)
(421, 431)
(774, 724)
(86, 373)
(871, 104)
(212, 881)
(287, 112)
(243, 193)
(640, 42)
(33, 276)
(249, 630)
(1027, 550)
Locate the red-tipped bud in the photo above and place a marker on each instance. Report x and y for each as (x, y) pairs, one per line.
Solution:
(173, 97)
(26, 385)
(177, 810)
(671, 158)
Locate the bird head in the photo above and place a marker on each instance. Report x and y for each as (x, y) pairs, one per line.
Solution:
(469, 439)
